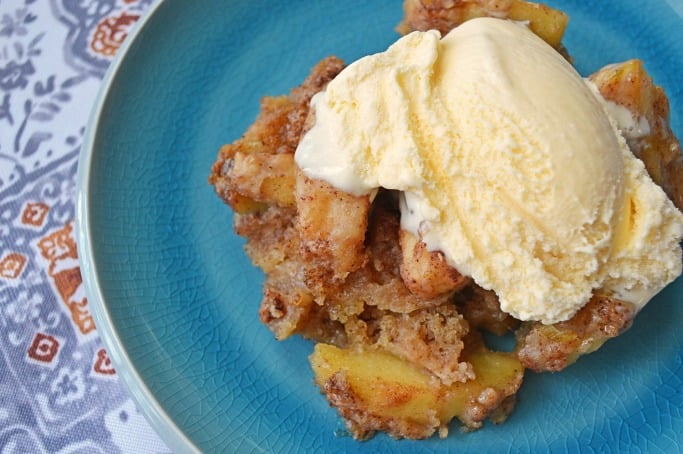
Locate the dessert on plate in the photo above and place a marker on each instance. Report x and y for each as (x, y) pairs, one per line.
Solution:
(466, 180)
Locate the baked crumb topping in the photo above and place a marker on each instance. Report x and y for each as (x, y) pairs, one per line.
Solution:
(398, 331)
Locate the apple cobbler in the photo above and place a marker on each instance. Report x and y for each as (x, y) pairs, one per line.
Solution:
(398, 331)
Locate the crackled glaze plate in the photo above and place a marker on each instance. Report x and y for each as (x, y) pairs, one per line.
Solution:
(176, 299)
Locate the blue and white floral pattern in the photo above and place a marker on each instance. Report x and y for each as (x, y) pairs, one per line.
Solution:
(58, 389)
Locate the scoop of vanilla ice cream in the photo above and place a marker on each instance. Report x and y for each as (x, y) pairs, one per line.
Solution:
(508, 162)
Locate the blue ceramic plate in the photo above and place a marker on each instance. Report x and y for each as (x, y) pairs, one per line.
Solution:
(176, 299)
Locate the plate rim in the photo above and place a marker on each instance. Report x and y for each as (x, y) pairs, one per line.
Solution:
(160, 421)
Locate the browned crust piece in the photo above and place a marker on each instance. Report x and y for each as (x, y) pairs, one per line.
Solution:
(444, 15)
(628, 84)
(277, 129)
(481, 309)
(551, 348)
(432, 338)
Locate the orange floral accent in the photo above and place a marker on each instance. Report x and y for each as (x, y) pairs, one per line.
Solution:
(59, 248)
(12, 265)
(34, 214)
(58, 245)
(111, 32)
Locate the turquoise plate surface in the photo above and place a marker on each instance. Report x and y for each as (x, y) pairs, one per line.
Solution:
(176, 299)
